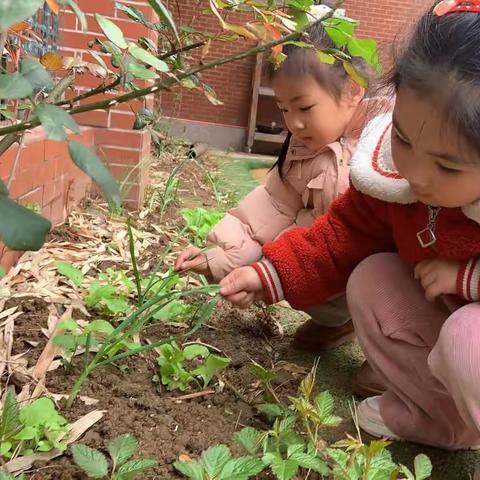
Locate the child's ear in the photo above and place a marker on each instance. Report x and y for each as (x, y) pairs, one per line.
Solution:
(354, 93)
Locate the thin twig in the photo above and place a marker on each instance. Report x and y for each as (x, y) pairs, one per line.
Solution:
(190, 396)
(142, 92)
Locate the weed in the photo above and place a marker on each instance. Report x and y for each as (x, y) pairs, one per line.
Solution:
(120, 449)
(285, 450)
(26, 429)
(199, 222)
(217, 463)
(173, 372)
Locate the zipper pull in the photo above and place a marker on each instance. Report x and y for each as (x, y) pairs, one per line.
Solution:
(427, 237)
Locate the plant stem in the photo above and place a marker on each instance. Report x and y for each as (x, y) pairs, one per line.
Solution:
(142, 92)
(133, 259)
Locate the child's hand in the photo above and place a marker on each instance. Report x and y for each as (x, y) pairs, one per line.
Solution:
(242, 287)
(438, 277)
(192, 260)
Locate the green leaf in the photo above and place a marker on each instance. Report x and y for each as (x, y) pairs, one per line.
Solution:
(249, 439)
(5, 447)
(72, 273)
(139, 71)
(87, 161)
(42, 411)
(13, 11)
(327, 58)
(10, 421)
(311, 462)
(111, 31)
(26, 433)
(14, 85)
(122, 448)
(90, 460)
(213, 364)
(147, 57)
(117, 305)
(20, 228)
(54, 120)
(100, 326)
(324, 404)
(241, 468)
(80, 15)
(129, 469)
(163, 13)
(423, 467)
(68, 342)
(271, 410)
(355, 74)
(283, 469)
(196, 350)
(211, 95)
(214, 459)
(98, 292)
(131, 11)
(192, 470)
(36, 74)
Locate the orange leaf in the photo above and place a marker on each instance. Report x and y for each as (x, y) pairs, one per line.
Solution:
(277, 49)
(54, 6)
(52, 61)
(19, 27)
(274, 31)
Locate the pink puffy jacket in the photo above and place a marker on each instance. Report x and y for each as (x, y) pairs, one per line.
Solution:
(311, 181)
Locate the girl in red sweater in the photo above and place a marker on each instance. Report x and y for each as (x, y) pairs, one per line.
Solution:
(405, 242)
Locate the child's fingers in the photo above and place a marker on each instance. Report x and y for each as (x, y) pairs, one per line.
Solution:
(433, 291)
(247, 302)
(233, 283)
(240, 299)
(422, 268)
(428, 279)
(185, 255)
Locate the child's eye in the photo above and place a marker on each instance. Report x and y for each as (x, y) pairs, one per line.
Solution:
(306, 109)
(400, 139)
(445, 169)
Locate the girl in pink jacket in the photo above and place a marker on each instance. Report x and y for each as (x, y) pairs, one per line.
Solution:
(325, 112)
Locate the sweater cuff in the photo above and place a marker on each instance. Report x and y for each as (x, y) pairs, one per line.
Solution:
(270, 280)
(468, 280)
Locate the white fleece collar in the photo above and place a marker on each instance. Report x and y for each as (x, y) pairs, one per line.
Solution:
(373, 171)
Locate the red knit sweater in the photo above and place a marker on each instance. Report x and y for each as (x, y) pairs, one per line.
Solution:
(306, 266)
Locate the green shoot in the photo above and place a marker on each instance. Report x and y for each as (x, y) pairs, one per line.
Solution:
(120, 449)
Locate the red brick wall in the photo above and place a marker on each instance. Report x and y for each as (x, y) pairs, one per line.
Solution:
(126, 151)
(41, 172)
(381, 19)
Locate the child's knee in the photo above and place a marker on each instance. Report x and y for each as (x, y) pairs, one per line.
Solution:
(370, 275)
(456, 356)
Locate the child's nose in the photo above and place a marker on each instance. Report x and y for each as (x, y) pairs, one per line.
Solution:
(296, 125)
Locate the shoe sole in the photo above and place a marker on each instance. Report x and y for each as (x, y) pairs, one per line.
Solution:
(314, 348)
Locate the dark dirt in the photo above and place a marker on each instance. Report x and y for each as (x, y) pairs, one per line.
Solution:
(164, 426)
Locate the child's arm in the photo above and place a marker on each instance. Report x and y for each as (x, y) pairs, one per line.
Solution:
(308, 265)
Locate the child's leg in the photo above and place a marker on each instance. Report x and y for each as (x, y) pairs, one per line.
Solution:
(398, 329)
(330, 326)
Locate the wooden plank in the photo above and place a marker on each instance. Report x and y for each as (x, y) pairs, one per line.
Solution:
(266, 91)
(252, 119)
(267, 137)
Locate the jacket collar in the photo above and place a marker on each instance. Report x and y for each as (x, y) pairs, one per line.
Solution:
(373, 171)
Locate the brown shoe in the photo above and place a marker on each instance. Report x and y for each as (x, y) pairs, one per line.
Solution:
(311, 337)
(365, 382)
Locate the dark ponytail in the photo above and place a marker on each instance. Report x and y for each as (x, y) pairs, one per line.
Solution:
(282, 156)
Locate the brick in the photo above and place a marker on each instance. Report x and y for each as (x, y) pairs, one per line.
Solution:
(96, 118)
(120, 138)
(122, 120)
(120, 156)
(103, 7)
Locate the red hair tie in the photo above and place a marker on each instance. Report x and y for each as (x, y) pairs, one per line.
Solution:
(450, 6)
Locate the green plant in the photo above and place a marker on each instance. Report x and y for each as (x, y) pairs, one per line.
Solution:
(9, 476)
(173, 372)
(287, 450)
(199, 222)
(266, 377)
(217, 463)
(134, 322)
(89, 337)
(36, 427)
(120, 449)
